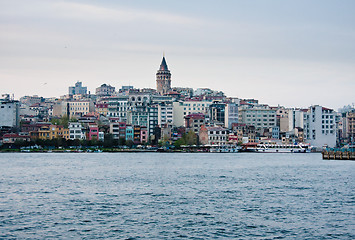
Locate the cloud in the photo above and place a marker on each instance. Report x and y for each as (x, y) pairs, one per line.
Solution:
(89, 12)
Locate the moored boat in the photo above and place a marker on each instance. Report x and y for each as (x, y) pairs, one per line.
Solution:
(282, 148)
(227, 148)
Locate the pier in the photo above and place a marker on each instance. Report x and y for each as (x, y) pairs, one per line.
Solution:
(338, 154)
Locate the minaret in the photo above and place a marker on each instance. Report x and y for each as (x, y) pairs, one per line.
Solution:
(163, 78)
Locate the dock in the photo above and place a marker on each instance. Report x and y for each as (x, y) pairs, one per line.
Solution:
(338, 154)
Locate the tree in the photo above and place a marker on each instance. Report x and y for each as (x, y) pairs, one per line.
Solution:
(129, 143)
(64, 121)
(165, 141)
(191, 138)
(108, 141)
(121, 141)
(179, 142)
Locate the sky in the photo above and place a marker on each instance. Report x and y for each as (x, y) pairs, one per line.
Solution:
(289, 53)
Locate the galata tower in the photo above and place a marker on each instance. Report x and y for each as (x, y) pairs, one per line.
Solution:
(163, 78)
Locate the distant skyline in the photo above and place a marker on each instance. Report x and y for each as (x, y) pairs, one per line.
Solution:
(292, 53)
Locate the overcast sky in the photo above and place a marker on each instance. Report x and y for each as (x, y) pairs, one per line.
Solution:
(292, 53)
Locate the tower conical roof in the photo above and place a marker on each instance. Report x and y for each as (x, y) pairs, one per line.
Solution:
(163, 65)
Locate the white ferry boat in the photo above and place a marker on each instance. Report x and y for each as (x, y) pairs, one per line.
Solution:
(282, 148)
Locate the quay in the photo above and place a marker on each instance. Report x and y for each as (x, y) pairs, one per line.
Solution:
(338, 154)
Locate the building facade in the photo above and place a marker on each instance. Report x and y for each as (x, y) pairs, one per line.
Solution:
(213, 135)
(259, 116)
(183, 108)
(78, 89)
(165, 114)
(76, 131)
(9, 113)
(118, 107)
(194, 122)
(350, 126)
(319, 127)
(53, 131)
(105, 90)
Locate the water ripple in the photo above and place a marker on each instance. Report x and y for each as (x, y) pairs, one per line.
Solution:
(175, 196)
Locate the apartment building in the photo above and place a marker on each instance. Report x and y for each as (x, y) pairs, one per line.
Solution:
(76, 131)
(259, 116)
(182, 109)
(194, 122)
(53, 131)
(213, 135)
(319, 126)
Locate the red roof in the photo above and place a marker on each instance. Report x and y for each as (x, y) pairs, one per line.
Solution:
(324, 108)
(101, 105)
(250, 144)
(173, 93)
(196, 116)
(13, 135)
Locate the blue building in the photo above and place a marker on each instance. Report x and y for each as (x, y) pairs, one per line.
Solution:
(129, 133)
(78, 89)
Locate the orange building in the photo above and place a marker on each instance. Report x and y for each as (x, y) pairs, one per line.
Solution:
(53, 131)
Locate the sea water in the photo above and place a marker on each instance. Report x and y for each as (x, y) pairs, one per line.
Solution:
(175, 196)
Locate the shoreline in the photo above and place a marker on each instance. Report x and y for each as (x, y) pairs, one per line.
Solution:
(132, 151)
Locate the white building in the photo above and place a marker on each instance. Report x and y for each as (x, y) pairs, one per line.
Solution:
(182, 109)
(296, 118)
(9, 112)
(76, 131)
(319, 126)
(213, 135)
(118, 107)
(231, 114)
(165, 114)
